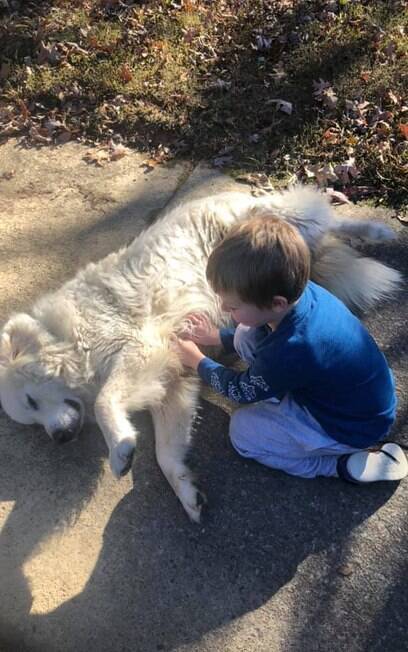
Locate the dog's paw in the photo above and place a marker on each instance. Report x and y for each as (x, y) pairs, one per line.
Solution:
(192, 499)
(121, 457)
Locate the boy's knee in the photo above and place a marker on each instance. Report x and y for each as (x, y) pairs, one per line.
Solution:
(237, 432)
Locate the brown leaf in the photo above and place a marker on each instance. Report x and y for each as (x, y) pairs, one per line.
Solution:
(100, 157)
(40, 135)
(331, 136)
(117, 152)
(392, 97)
(24, 110)
(403, 127)
(150, 164)
(383, 128)
(125, 73)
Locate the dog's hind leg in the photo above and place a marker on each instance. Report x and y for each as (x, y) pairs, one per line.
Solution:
(172, 422)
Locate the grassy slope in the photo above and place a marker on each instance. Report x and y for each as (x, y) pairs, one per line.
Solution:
(197, 77)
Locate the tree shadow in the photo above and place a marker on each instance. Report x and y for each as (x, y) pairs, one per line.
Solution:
(65, 479)
(161, 582)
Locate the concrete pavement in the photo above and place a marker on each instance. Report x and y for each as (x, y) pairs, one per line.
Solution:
(91, 564)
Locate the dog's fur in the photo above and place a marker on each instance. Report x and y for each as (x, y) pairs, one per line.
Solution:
(101, 342)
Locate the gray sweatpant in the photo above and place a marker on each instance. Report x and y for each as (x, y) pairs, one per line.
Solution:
(282, 434)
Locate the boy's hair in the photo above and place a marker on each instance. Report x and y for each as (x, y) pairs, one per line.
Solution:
(259, 259)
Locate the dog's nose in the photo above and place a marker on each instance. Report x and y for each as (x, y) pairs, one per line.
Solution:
(64, 436)
(74, 404)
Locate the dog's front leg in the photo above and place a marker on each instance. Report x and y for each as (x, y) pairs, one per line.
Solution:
(112, 417)
(172, 422)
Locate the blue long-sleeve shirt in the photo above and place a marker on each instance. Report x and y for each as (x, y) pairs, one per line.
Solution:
(324, 356)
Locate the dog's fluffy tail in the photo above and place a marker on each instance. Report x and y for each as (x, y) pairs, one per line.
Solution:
(360, 282)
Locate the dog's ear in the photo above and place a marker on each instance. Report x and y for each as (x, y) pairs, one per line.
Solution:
(21, 336)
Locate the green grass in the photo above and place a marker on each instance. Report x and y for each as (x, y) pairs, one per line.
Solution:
(189, 76)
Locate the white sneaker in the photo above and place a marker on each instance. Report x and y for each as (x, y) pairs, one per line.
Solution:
(386, 463)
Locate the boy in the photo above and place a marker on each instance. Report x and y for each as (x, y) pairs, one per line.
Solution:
(318, 390)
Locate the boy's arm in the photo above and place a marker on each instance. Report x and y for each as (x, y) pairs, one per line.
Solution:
(267, 378)
(262, 380)
(227, 339)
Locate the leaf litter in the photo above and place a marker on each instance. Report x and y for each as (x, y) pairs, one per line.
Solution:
(199, 77)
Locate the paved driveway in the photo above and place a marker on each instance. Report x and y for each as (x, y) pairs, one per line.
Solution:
(279, 564)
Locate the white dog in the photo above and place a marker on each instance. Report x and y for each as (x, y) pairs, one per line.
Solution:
(101, 342)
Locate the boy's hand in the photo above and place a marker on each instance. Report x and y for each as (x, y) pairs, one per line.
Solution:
(202, 331)
(189, 353)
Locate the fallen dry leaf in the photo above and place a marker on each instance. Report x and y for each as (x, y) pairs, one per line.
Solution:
(117, 152)
(47, 54)
(402, 217)
(320, 86)
(282, 105)
(347, 171)
(324, 92)
(383, 128)
(323, 174)
(150, 164)
(100, 157)
(403, 127)
(392, 97)
(40, 135)
(359, 192)
(257, 179)
(331, 136)
(329, 98)
(337, 197)
(125, 73)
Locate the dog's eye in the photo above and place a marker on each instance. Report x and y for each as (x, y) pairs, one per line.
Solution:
(31, 402)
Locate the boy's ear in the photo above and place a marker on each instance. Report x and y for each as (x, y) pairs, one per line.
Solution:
(280, 303)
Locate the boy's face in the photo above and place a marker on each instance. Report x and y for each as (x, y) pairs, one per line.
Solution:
(247, 313)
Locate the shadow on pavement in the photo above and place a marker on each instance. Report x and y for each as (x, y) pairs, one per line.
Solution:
(160, 582)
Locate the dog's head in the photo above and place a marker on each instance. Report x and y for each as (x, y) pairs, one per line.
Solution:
(33, 388)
